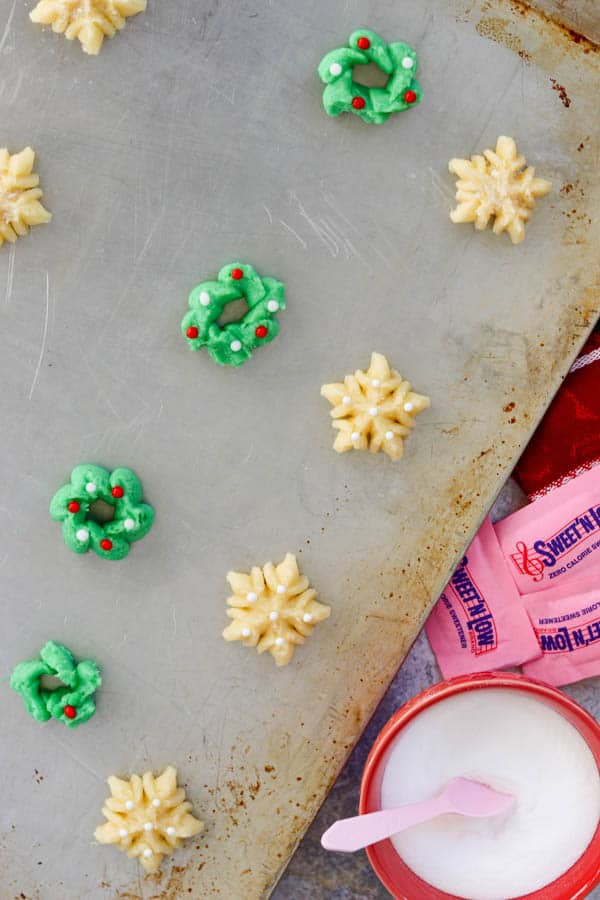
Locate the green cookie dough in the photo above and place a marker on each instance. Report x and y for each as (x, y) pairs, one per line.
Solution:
(232, 344)
(71, 702)
(373, 104)
(120, 489)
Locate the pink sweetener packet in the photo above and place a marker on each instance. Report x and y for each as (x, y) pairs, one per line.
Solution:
(479, 623)
(566, 620)
(556, 538)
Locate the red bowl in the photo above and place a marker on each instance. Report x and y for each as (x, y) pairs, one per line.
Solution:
(402, 882)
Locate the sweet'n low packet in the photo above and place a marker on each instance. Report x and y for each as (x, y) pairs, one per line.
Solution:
(566, 621)
(480, 623)
(554, 539)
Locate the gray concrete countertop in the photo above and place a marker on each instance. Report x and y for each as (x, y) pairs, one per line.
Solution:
(314, 874)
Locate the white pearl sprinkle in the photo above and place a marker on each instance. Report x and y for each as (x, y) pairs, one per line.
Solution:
(251, 597)
(128, 524)
(129, 804)
(335, 69)
(82, 534)
(148, 826)
(123, 832)
(376, 382)
(355, 435)
(307, 617)
(246, 632)
(281, 588)
(204, 298)
(90, 487)
(373, 411)
(408, 407)
(235, 346)
(171, 831)
(407, 62)
(148, 853)
(280, 642)
(156, 802)
(346, 400)
(389, 435)
(272, 305)
(274, 615)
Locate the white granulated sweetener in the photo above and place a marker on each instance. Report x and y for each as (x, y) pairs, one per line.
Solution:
(516, 744)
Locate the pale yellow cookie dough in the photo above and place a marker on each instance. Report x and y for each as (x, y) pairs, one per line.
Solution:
(497, 184)
(373, 410)
(273, 609)
(148, 817)
(89, 20)
(20, 195)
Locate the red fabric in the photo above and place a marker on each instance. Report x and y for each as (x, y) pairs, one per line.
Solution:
(567, 440)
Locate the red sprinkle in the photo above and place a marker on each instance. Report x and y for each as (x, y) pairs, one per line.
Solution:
(358, 103)
(410, 97)
(70, 712)
(74, 506)
(117, 491)
(236, 274)
(363, 43)
(262, 331)
(192, 332)
(106, 544)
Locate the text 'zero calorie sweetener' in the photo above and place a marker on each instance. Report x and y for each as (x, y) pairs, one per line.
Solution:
(556, 538)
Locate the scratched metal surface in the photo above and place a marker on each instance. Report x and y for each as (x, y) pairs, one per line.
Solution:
(197, 137)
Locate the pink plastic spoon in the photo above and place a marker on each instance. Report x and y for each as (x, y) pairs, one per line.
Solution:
(460, 795)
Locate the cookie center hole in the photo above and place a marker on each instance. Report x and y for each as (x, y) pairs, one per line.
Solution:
(370, 75)
(101, 512)
(233, 312)
(51, 682)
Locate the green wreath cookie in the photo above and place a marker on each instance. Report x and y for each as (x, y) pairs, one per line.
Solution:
(232, 344)
(372, 104)
(120, 489)
(72, 701)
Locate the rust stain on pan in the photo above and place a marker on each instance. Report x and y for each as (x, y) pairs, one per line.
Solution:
(501, 21)
(529, 8)
(562, 93)
(581, 25)
(504, 30)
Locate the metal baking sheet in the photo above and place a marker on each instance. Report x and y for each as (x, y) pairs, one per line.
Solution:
(198, 137)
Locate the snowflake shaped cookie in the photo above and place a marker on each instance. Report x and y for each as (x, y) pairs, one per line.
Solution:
(273, 609)
(89, 20)
(497, 184)
(147, 817)
(373, 410)
(20, 195)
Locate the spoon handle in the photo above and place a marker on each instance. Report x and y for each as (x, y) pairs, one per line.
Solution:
(357, 832)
